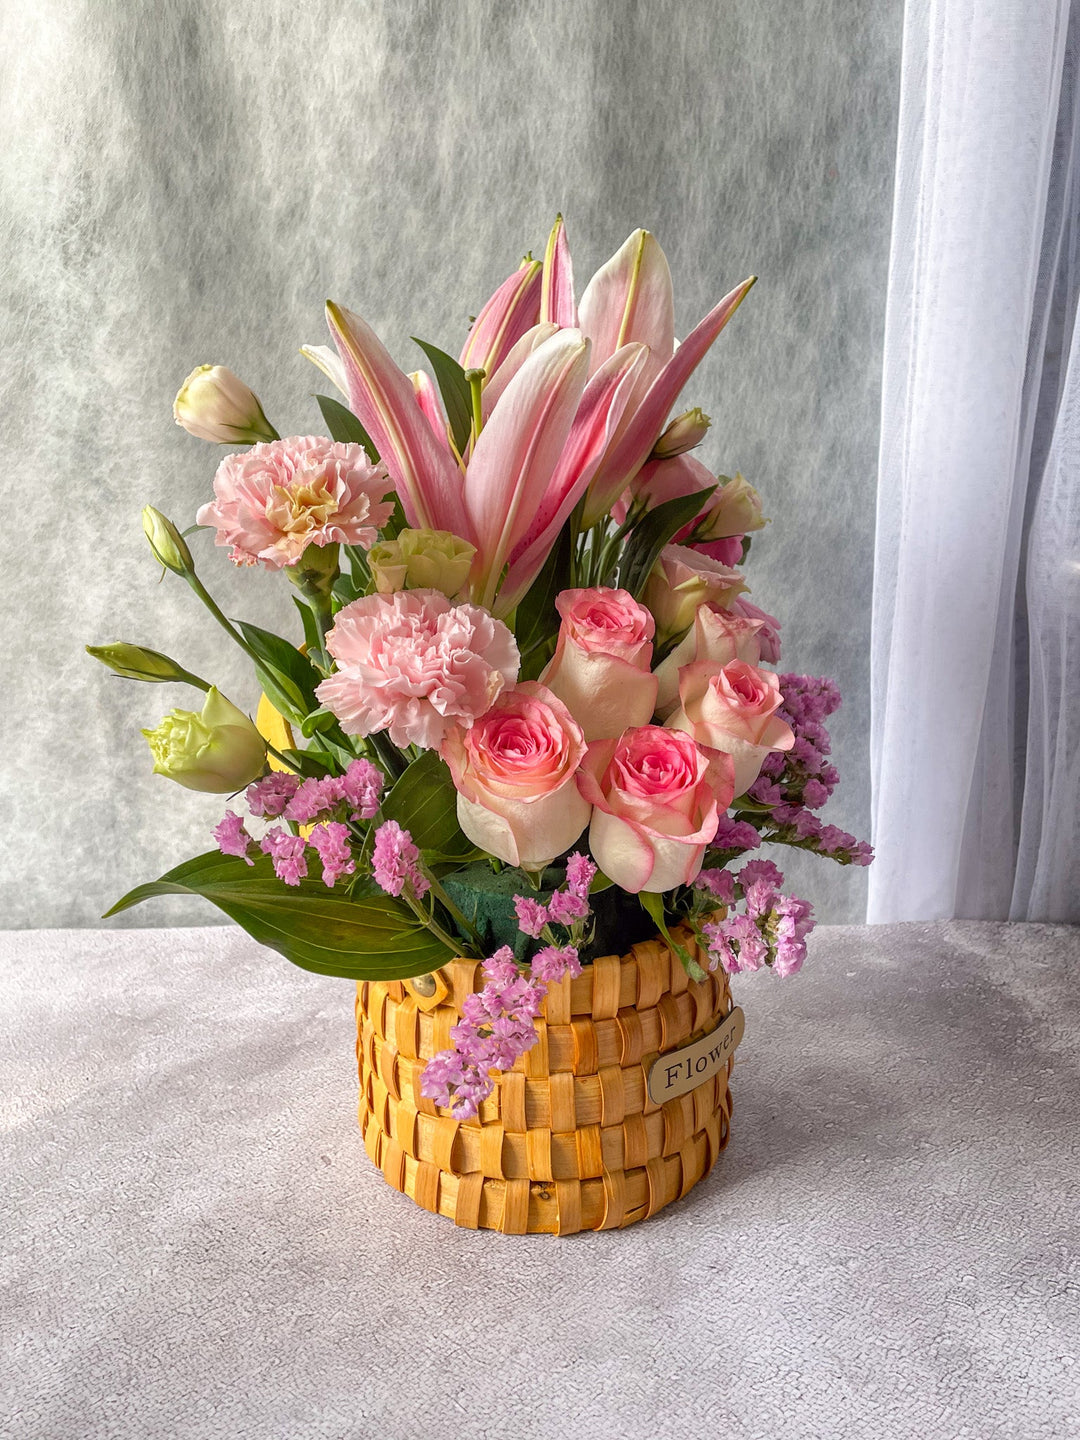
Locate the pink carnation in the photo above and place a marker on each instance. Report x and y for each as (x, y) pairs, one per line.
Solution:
(274, 500)
(413, 664)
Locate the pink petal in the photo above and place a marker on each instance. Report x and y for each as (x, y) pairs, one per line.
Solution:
(628, 299)
(513, 309)
(427, 397)
(632, 448)
(557, 288)
(382, 397)
(513, 460)
(497, 383)
(602, 407)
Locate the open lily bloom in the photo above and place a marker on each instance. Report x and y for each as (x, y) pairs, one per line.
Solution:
(567, 410)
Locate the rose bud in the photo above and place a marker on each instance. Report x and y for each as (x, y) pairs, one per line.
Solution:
(169, 546)
(514, 772)
(216, 405)
(217, 751)
(681, 581)
(684, 433)
(732, 709)
(656, 797)
(421, 560)
(719, 636)
(135, 662)
(600, 669)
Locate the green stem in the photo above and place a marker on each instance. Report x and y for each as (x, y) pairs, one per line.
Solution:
(283, 758)
(429, 920)
(467, 927)
(215, 610)
(476, 381)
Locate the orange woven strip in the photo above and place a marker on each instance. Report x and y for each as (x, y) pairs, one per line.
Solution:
(585, 1052)
(561, 1089)
(425, 1186)
(568, 1203)
(612, 1095)
(632, 1036)
(653, 972)
(515, 1213)
(470, 1192)
(442, 1149)
(635, 1142)
(590, 1151)
(614, 1199)
(607, 986)
(512, 1100)
(491, 1150)
(538, 1153)
(556, 1009)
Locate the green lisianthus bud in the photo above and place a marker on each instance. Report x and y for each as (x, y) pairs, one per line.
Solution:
(218, 750)
(421, 560)
(135, 662)
(216, 405)
(168, 545)
(684, 432)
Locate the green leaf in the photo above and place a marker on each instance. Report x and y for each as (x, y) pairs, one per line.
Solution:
(367, 936)
(652, 532)
(454, 389)
(537, 621)
(287, 677)
(312, 638)
(344, 426)
(654, 904)
(424, 802)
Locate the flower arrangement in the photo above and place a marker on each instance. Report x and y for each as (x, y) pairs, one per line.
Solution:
(529, 715)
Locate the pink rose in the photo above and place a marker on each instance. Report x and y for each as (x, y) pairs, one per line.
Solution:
(719, 636)
(682, 580)
(770, 628)
(732, 709)
(413, 664)
(514, 771)
(656, 797)
(600, 669)
(274, 500)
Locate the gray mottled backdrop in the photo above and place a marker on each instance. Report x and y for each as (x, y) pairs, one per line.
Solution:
(187, 181)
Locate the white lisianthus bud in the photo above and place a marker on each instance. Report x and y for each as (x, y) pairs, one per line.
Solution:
(684, 432)
(217, 751)
(216, 405)
(421, 560)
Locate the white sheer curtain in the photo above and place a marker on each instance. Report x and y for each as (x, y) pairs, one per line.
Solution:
(975, 737)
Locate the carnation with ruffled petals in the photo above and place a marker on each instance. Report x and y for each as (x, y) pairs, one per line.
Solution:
(276, 499)
(413, 664)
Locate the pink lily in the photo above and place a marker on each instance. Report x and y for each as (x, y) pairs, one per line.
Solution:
(629, 298)
(527, 468)
(602, 407)
(382, 397)
(640, 431)
(513, 309)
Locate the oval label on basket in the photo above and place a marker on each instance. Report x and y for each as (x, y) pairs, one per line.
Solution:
(680, 1071)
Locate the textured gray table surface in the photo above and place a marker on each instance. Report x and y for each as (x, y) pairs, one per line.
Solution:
(195, 1244)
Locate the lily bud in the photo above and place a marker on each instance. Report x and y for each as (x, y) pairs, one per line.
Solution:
(421, 560)
(216, 405)
(217, 751)
(684, 432)
(168, 545)
(135, 662)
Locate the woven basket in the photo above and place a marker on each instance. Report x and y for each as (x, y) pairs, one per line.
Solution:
(570, 1139)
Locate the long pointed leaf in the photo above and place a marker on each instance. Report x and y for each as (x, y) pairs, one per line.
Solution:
(454, 389)
(367, 936)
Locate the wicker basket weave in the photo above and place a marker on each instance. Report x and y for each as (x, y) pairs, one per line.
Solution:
(570, 1139)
